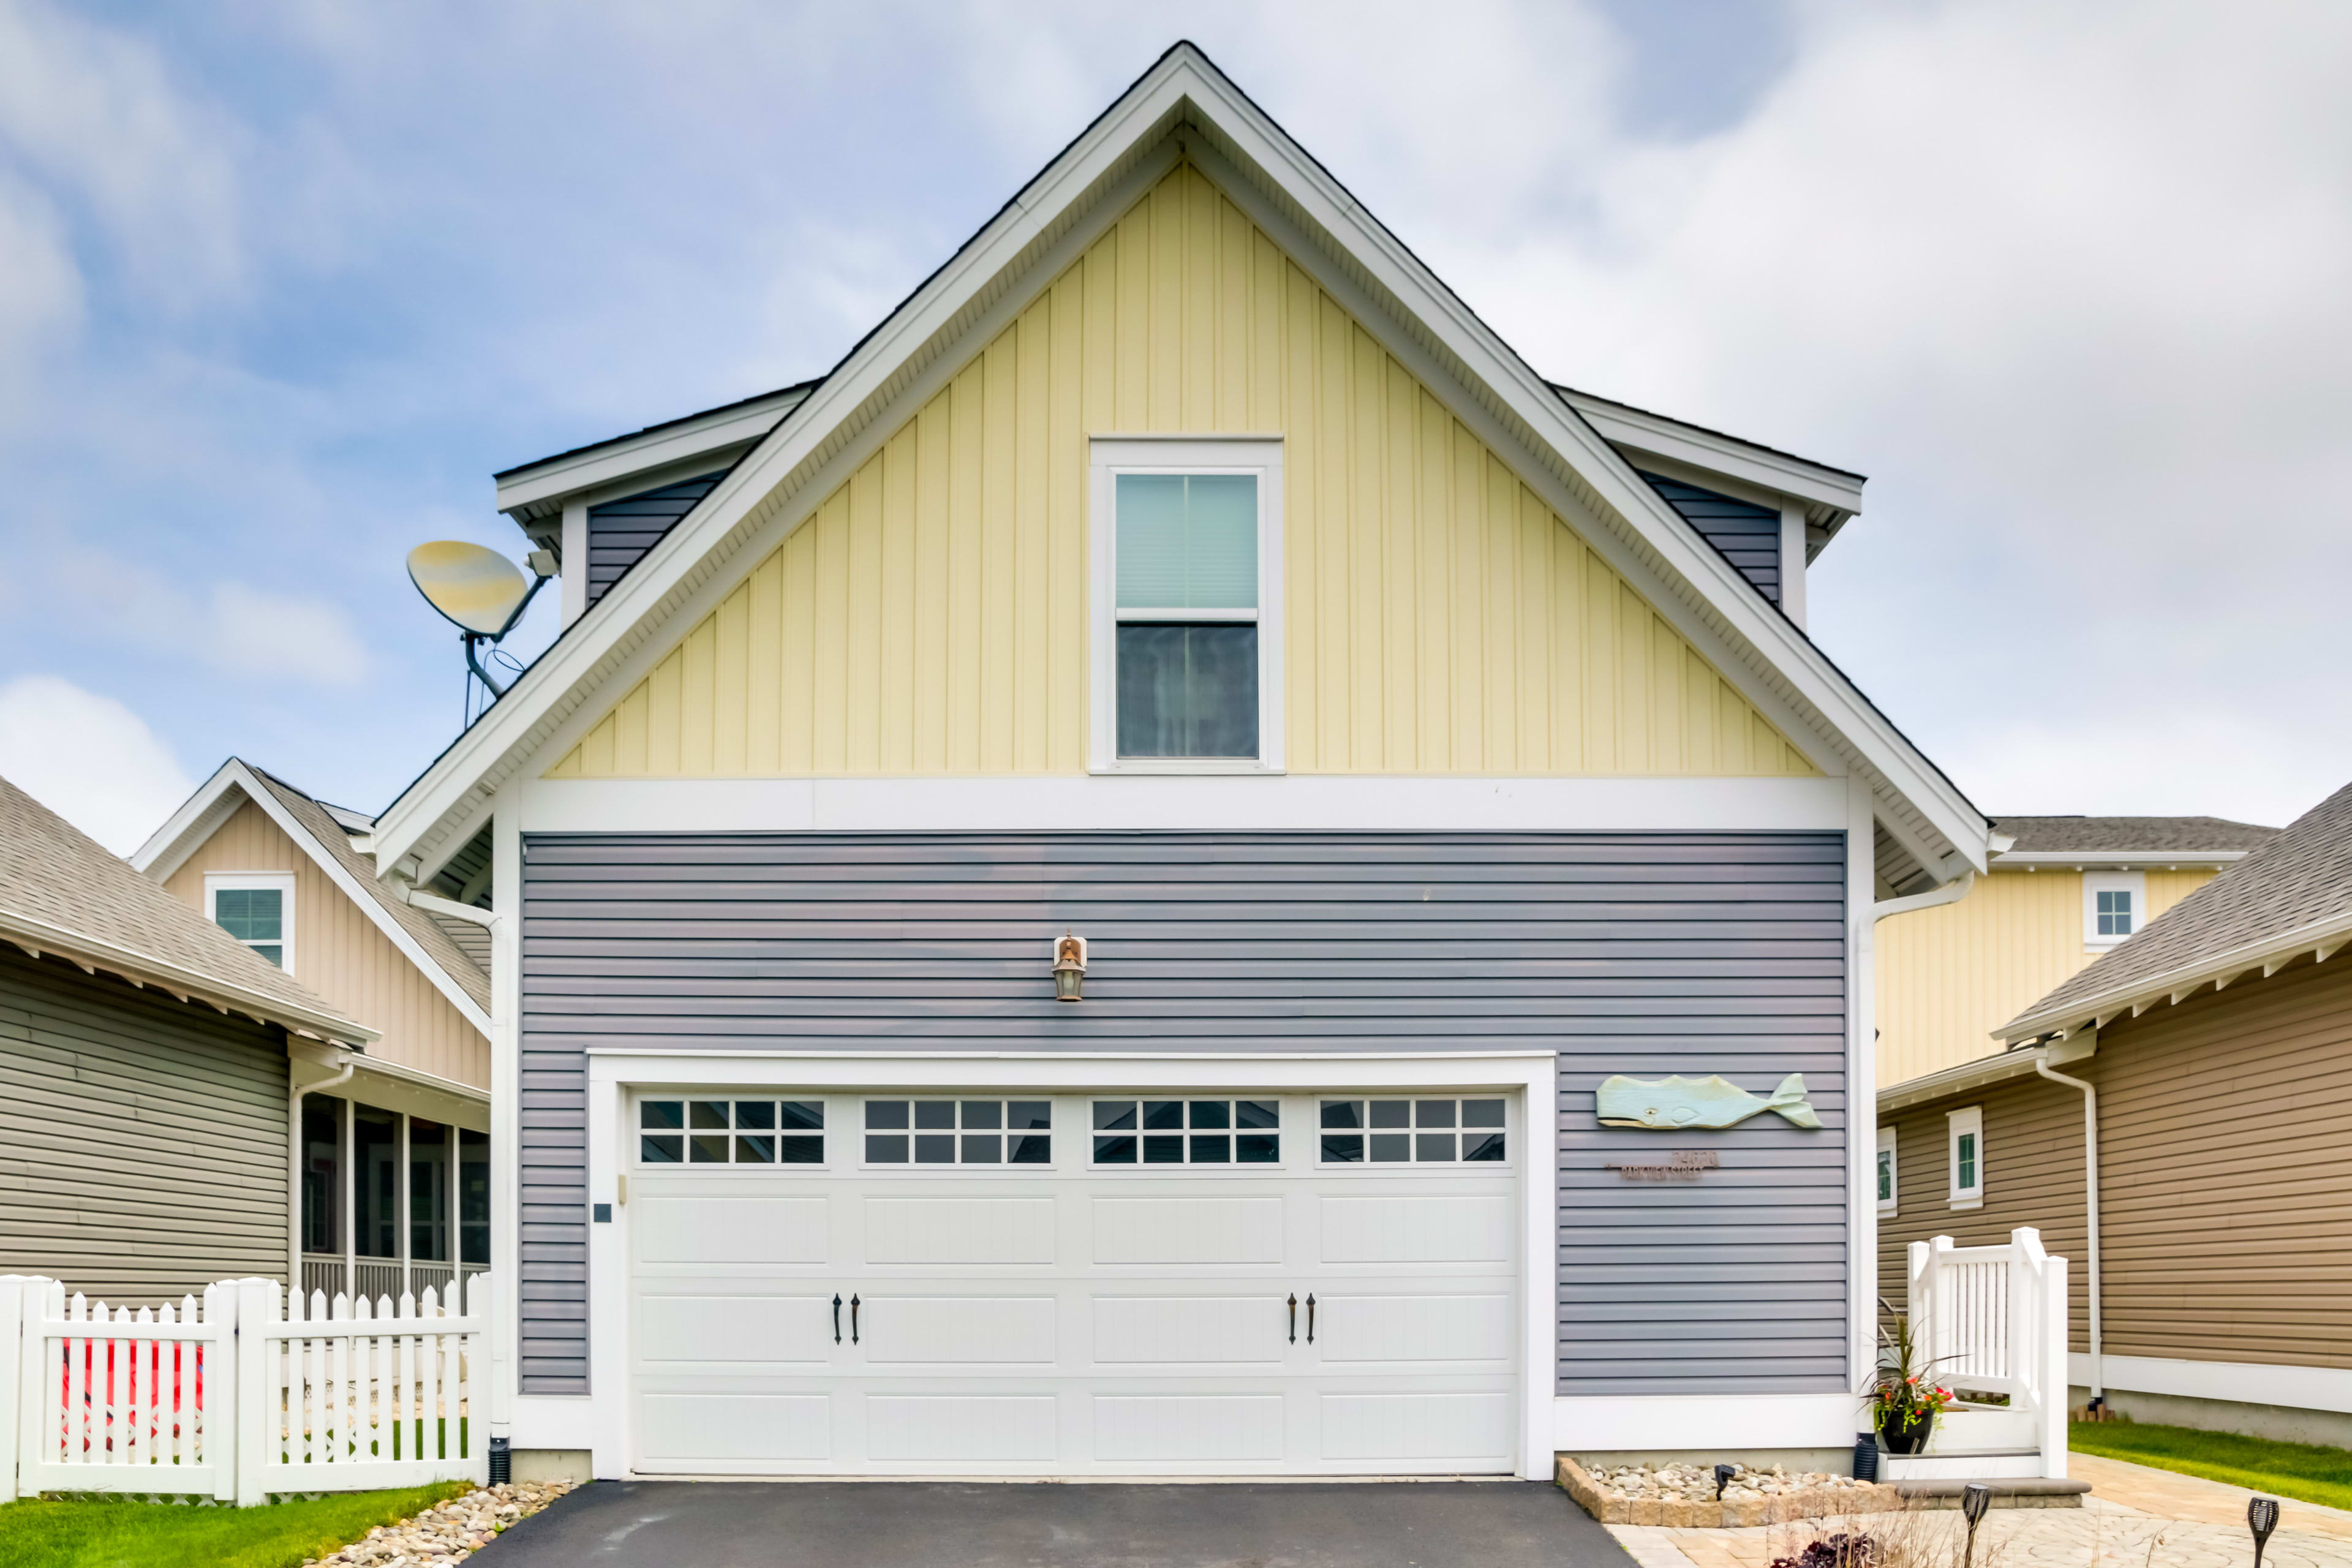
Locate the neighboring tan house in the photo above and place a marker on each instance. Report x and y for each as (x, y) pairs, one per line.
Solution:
(1182, 604)
(146, 1058)
(394, 1154)
(2213, 1053)
(2066, 890)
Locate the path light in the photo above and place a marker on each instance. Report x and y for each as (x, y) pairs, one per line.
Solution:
(1069, 967)
(1975, 1498)
(2261, 1517)
(1722, 1474)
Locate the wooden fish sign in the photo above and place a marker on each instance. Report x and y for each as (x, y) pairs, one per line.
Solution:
(1673, 1104)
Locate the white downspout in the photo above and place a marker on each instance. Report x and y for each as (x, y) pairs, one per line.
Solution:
(1951, 892)
(2090, 1208)
(294, 1093)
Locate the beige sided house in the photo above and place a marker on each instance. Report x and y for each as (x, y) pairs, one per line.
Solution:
(2205, 1061)
(1956, 963)
(391, 1156)
(146, 1058)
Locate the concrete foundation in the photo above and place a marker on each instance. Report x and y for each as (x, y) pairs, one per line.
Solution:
(552, 1464)
(2280, 1423)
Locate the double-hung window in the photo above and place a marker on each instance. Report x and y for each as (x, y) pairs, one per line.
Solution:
(1886, 1176)
(1965, 1133)
(258, 909)
(1187, 636)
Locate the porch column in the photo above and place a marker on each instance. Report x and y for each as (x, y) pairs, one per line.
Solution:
(400, 1199)
(346, 1183)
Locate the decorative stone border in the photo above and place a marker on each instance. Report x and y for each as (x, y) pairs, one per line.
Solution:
(1819, 1502)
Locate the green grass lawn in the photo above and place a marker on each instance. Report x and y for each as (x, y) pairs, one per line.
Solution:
(2303, 1471)
(78, 1534)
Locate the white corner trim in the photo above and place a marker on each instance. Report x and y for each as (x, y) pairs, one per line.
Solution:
(2239, 1382)
(574, 586)
(1792, 563)
(1181, 83)
(1286, 802)
(1585, 1424)
(1111, 456)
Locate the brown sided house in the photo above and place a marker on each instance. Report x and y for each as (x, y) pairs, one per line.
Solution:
(2209, 1058)
(146, 1059)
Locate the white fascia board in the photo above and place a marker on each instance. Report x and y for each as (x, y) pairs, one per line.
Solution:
(199, 818)
(236, 776)
(2134, 861)
(392, 1087)
(1101, 803)
(1700, 583)
(1713, 453)
(2319, 936)
(696, 436)
(2238, 1382)
(1963, 1079)
(145, 969)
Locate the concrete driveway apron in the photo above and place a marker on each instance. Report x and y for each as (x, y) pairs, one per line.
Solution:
(956, 1524)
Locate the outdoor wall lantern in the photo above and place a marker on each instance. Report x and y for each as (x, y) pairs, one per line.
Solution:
(1069, 968)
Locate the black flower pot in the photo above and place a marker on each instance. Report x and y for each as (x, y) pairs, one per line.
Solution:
(1900, 1436)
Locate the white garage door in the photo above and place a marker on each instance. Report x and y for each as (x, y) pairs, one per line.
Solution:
(1110, 1284)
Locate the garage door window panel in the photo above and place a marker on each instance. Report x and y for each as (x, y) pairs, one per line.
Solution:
(1187, 1132)
(959, 1132)
(731, 1132)
(1412, 1132)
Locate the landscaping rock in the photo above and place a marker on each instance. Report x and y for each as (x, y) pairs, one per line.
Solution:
(450, 1532)
(1684, 1496)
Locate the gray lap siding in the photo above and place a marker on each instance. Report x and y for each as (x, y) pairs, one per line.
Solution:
(1647, 953)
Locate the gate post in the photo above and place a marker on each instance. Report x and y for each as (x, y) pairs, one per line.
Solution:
(255, 1412)
(215, 1389)
(12, 1377)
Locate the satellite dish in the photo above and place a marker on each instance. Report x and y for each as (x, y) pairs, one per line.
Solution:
(478, 588)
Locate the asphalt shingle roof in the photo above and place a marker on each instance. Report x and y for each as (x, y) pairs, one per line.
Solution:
(54, 874)
(2130, 835)
(2302, 876)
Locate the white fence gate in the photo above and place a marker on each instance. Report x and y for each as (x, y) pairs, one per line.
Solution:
(1991, 1320)
(244, 1395)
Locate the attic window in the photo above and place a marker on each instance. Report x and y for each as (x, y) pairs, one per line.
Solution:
(2115, 905)
(258, 909)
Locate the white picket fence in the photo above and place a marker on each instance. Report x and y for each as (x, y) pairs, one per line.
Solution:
(1992, 1320)
(243, 1397)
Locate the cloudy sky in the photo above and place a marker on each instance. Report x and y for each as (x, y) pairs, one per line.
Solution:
(283, 281)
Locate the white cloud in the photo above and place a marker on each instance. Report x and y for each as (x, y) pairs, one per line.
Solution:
(230, 626)
(90, 759)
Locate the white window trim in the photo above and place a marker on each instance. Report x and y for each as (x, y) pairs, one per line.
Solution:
(1970, 1121)
(1113, 454)
(2097, 882)
(217, 882)
(1886, 1146)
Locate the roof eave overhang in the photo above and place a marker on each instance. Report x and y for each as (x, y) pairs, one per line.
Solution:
(2126, 860)
(1967, 1077)
(39, 937)
(2320, 940)
(533, 488)
(1236, 141)
(1830, 495)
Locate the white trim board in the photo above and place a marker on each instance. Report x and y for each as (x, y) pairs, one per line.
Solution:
(1266, 803)
(600, 1421)
(949, 312)
(2239, 1382)
(1614, 1423)
(693, 439)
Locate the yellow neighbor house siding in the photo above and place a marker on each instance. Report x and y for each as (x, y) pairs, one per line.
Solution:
(340, 953)
(931, 618)
(1949, 976)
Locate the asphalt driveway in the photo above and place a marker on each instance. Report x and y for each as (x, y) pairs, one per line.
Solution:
(947, 1524)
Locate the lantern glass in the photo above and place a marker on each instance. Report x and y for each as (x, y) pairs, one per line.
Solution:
(1067, 980)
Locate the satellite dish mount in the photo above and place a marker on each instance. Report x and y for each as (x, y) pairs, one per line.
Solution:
(477, 590)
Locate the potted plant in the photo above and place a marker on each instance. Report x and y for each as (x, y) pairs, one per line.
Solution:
(1903, 1397)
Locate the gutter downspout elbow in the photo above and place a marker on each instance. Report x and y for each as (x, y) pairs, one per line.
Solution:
(2090, 1208)
(294, 1093)
(1951, 892)
(433, 903)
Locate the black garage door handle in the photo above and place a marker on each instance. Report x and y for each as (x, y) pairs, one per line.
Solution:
(837, 1317)
(854, 1305)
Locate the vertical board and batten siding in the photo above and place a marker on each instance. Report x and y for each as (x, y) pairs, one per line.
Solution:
(1645, 953)
(1746, 534)
(1950, 975)
(341, 954)
(931, 617)
(620, 531)
(143, 1139)
(2032, 1158)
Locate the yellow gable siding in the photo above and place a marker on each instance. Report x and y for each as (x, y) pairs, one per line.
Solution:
(340, 953)
(1949, 975)
(931, 617)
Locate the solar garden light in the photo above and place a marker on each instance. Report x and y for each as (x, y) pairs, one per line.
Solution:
(2261, 1517)
(1722, 1474)
(1975, 1498)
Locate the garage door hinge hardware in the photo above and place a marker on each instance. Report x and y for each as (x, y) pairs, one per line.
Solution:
(854, 1305)
(1294, 1316)
(1310, 1317)
(837, 1317)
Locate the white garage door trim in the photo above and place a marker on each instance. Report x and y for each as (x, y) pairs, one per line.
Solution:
(602, 1421)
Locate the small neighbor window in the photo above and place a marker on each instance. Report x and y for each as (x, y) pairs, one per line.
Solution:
(258, 909)
(730, 1132)
(1187, 636)
(2114, 906)
(1967, 1133)
(1187, 1132)
(959, 1132)
(1411, 1132)
(1886, 1170)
